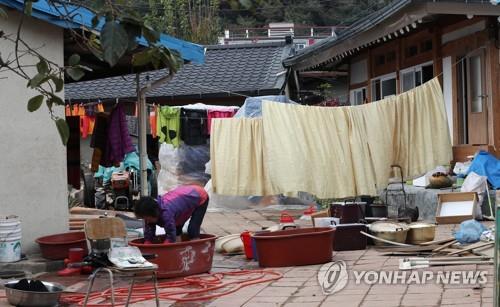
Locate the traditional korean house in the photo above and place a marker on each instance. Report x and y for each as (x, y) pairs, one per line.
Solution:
(406, 44)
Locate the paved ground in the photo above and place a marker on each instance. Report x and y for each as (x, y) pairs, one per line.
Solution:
(299, 286)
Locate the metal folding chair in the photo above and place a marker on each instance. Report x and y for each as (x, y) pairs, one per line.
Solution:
(99, 229)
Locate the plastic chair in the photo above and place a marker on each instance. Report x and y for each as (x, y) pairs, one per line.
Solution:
(105, 229)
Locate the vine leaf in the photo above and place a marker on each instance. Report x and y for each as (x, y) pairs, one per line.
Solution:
(74, 60)
(114, 41)
(34, 103)
(58, 82)
(42, 67)
(63, 129)
(75, 73)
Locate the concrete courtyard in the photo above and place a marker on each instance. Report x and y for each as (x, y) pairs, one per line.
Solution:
(299, 286)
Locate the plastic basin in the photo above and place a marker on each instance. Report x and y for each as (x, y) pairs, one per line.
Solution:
(183, 258)
(303, 246)
(56, 247)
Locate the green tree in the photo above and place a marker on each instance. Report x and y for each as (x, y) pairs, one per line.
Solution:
(122, 25)
(309, 12)
(193, 20)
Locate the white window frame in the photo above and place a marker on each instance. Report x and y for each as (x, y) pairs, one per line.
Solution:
(413, 69)
(353, 95)
(392, 75)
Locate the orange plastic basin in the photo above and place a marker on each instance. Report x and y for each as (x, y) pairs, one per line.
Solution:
(302, 246)
(183, 258)
(56, 247)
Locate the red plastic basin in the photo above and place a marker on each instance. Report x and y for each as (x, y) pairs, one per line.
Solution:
(56, 247)
(183, 258)
(302, 246)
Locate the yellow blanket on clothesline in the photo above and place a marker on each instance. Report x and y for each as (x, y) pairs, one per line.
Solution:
(331, 152)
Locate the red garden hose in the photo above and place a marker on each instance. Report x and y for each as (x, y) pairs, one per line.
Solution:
(192, 288)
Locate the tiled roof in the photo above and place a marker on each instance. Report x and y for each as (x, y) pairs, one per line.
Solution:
(395, 17)
(255, 68)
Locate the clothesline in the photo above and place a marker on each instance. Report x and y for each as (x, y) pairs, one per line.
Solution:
(116, 100)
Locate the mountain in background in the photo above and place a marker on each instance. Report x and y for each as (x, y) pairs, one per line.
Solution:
(259, 13)
(202, 21)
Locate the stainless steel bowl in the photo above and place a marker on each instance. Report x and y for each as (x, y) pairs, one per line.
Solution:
(35, 299)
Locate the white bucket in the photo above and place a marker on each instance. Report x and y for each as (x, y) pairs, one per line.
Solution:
(10, 239)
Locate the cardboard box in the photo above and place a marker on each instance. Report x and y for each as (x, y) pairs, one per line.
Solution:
(454, 208)
(322, 213)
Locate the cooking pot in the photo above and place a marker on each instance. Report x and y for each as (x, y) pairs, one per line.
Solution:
(420, 232)
(388, 230)
(31, 298)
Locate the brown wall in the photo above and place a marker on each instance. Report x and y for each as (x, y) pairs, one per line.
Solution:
(418, 43)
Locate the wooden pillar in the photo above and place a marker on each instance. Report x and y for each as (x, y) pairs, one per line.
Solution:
(399, 63)
(436, 54)
(369, 78)
(494, 60)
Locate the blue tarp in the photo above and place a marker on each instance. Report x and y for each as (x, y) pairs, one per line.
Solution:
(83, 17)
(485, 164)
(253, 105)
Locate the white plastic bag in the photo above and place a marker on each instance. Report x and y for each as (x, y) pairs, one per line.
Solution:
(169, 161)
(461, 168)
(475, 183)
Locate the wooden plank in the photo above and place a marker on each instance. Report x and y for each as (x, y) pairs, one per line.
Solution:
(445, 246)
(383, 240)
(406, 249)
(438, 241)
(471, 247)
(91, 211)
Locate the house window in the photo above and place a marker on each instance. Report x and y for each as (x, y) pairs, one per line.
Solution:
(384, 86)
(358, 96)
(388, 87)
(416, 75)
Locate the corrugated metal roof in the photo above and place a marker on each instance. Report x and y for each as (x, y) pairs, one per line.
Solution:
(81, 17)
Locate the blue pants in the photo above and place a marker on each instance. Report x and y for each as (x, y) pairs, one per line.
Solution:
(195, 222)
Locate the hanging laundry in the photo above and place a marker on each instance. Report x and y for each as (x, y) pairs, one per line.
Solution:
(153, 121)
(91, 124)
(335, 152)
(100, 108)
(118, 142)
(67, 111)
(73, 152)
(218, 114)
(75, 110)
(194, 126)
(84, 126)
(237, 158)
(168, 125)
(81, 110)
(99, 140)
